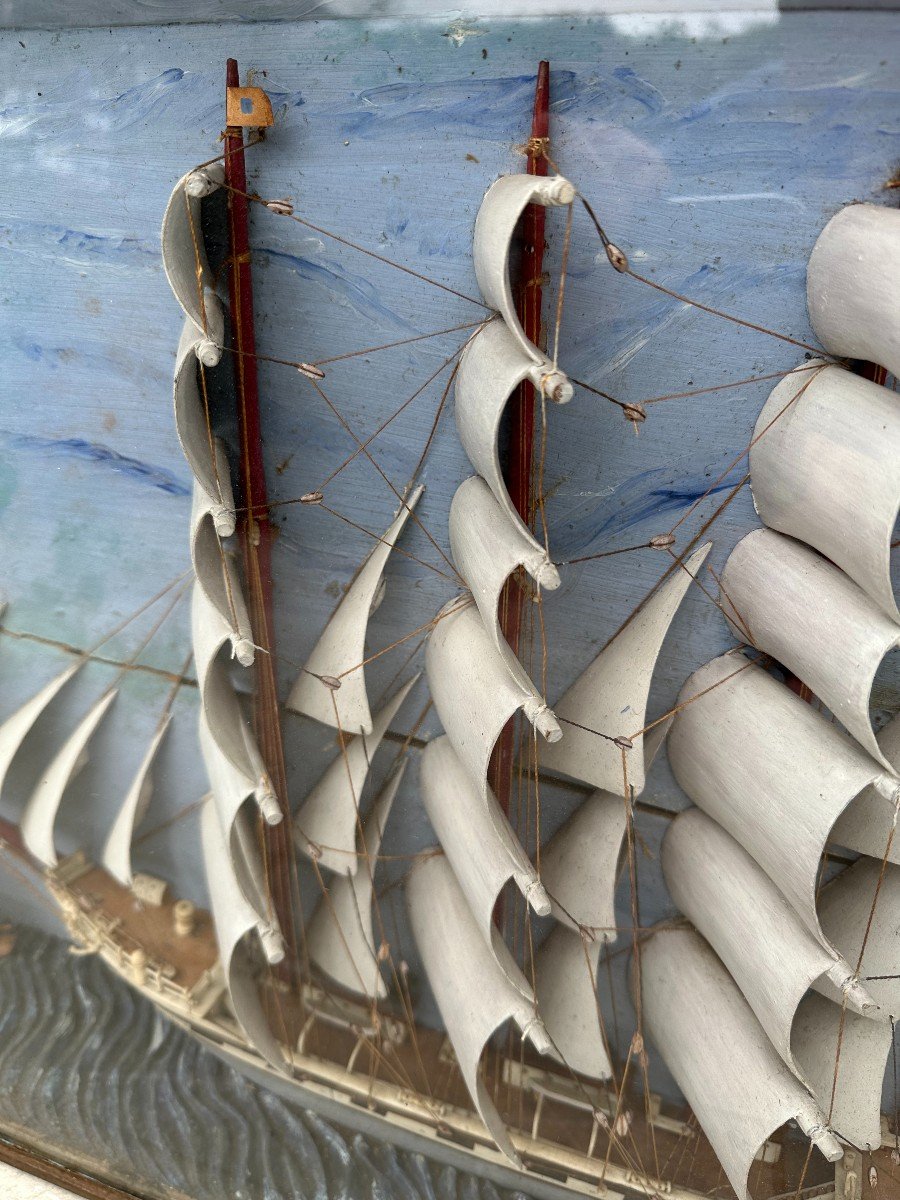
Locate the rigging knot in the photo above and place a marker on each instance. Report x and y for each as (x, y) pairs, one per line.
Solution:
(636, 413)
(310, 371)
(662, 541)
(284, 208)
(623, 742)
(617, 257)
(535, 147)
(311, 498)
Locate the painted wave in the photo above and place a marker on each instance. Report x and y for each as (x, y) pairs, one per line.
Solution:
(91, 1069)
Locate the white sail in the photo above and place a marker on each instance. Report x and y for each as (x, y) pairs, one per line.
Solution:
(720, 1056)
(822, 466)
(845, 905)
(487, 549)
(610, 697)
(756, 932)
(340, 651)
(565, 986)
(491, 368)
(474, 993)
(851, 285)
(185, 262)
(864, 1049)
(327, 821)
(216, 574)
(473, 690)
(39, 815)
(237, 927)
(205, 454)
(211, 634)
(230, 787)
(340, 939)
(579, 865)
(477, 839)
(867, 825)
(117, 849)
(16, 727)
(809, 616)
(495, 227)
(770, 769)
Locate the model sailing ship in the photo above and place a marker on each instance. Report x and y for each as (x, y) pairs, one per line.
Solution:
(763, 1011)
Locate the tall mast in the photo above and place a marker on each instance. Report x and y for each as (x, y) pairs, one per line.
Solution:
(256, 529)
(521, 434)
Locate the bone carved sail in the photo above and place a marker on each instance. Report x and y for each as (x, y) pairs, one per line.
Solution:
(775, 779)
(749, 1007)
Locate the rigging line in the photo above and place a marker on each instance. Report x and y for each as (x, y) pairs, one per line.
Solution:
(335, 237)
(434, 425)
(378, 538)
(361, 449)
(173, 820)
(746, 631)
(684, 703)
(570, 562)
(620, 263)
(413, 515)
(324, 362)
(746, 451)
(640, 1049)
(161, 672)
(563, 272)
(249, 144)
(718, 387)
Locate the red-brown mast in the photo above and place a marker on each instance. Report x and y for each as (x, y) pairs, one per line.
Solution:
(256, 531)
(521, 434)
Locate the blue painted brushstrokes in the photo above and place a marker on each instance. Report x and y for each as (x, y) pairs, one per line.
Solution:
(78, 247)
(354, 290)
(104, 456)
(593, 526)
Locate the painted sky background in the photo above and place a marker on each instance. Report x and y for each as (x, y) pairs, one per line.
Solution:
(714, 150)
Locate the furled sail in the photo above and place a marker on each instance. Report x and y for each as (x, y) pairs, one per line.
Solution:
(216, 574)
(579, 865)
(822, 466)
(809, 616)
(340, 651)
(847, 916)
(117, 849)
(474, 692)
(851, 284)
(327, 821)
(477, 839)
(204, 453)
(495, 226)
(185, 262)
(487, 549)
(719, 1054)
(771, 770)
(565, 975)
(474, 992)
(237, 925)
(39, 815)
(610, 697)
(16, 727)
(491, 368)
(770, 953)
(340, 939)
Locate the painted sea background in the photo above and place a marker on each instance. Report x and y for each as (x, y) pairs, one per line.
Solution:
(713, 146)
